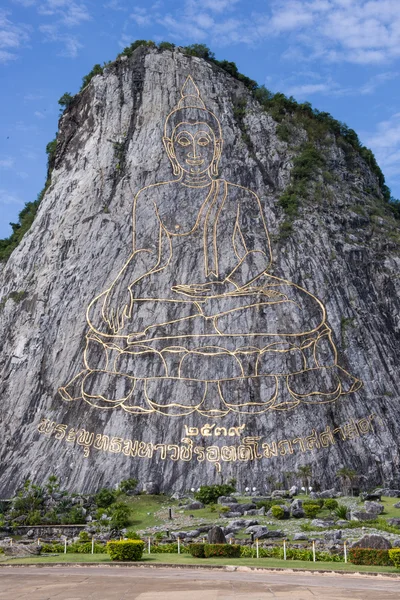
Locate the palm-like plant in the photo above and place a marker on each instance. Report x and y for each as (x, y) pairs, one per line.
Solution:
(348, 477)
(305, 473)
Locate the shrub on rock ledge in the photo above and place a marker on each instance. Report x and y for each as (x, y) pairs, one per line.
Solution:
(125, 550)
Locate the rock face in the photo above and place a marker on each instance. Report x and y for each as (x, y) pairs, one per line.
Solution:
(214, 343)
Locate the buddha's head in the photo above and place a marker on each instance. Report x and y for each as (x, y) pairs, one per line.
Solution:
(192, 135)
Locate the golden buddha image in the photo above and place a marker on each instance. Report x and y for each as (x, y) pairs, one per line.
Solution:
(194, 321)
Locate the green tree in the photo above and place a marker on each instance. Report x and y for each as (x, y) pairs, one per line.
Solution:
(209, 494)
(305, 474)
(105, 497)
(348, 477)
(65, 100)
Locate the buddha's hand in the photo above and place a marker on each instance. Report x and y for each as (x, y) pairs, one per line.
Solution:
(117, 308)
(213, 289)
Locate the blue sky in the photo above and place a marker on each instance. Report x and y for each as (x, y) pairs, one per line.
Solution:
(341, 55)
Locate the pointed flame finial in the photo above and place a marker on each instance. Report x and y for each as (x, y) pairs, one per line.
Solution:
(190, 95)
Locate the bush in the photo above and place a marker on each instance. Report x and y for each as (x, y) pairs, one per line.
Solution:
(226, 550)
(127, 485)
(311, 510)
(120, 514)
(331, 504)
(209, 494)
(86, 548)
(196, 550)
(394, 556)
(369, 556)
(52, 548)
(224, 509)
(132, 535)
(341, 512)
(278, 512)
(167, 548)
(125, 550)
(105, 498)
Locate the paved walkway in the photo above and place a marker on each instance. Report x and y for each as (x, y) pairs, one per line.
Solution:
(124, 583)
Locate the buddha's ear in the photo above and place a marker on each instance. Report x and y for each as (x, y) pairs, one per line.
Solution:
(217, 156)
(169, 147)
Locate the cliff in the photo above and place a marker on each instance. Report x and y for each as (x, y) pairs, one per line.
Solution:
(264, 335)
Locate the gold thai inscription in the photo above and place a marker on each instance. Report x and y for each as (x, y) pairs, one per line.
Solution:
(249, 449)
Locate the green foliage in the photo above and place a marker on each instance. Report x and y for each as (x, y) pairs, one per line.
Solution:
(283, 132)
(313, 502)
(52, 548)
(267, 504)
(227, 550)
(224, 509)
(28, 213)
(86, 548)
(84, 536)
(341, 511)
(16, 296)
(307, 162)
(74, 517)
(289, 202)
(209, 494)
(278, 512)
(196, 550)
(311, 510)
(369, 556)
(66, 100)
(394, 556)
(166, 46)
(331, 504)
(200, 50)
(119, 514)
(291, 554)
(129, 50)
(97, 70)
(127, 485)
(132, 535)
(167, 548)
(125, 550)
(105, 497)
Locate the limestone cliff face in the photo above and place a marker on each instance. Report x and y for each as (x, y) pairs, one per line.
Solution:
(240, 402)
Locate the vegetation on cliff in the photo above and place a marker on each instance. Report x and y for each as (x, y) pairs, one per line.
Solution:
(289, 115)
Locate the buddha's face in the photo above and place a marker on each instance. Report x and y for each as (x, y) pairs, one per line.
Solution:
(193, 147)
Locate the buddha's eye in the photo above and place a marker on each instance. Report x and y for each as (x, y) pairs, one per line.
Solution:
(183, 141)
(203, 141)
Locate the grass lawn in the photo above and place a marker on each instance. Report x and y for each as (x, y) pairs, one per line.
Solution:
(185, 559)
(142, 505)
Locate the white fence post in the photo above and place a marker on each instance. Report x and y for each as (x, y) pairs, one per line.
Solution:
(284, 549)
(149, 545)
(257, 547)
(92, 545)
(179, 546)
(313, 550)
(345, 552)
(65, 545)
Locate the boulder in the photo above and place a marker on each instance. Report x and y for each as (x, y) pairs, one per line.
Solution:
(247, 506)
(194, 534)
(280, 494)
(195, 505)
(204, 528)
(333, 535)
(232, 515)
(360, 515)
(252, 512)
(226, 500)
(397, 505)
(286, 511)
(180, 534)
(388, 492)
(235, 507)
(395, 522)
(377, 542)
(30, 533)
(296, 504)
(216, 535)
(294, 490)
(327, 493)
(322, 523)
(298, 513)
(151, 487)
(396, 543)
(341, 523)
(239, 523)
(275, 534)
(300, 537)
(374, 507)
(261, 511)
(375, 496)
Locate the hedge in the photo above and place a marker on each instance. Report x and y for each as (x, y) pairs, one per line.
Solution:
(291, 554)
(226, 550)
(196, 550)
(75, 548)
(394, 556)
(125, 550)
(167, 548)
(369, 556)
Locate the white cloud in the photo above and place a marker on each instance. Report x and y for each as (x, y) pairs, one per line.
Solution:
(6, 163)
(385, 143)
(9, 198)
(12, 37)
(39, 114)
(6, 57)
(71, 43)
